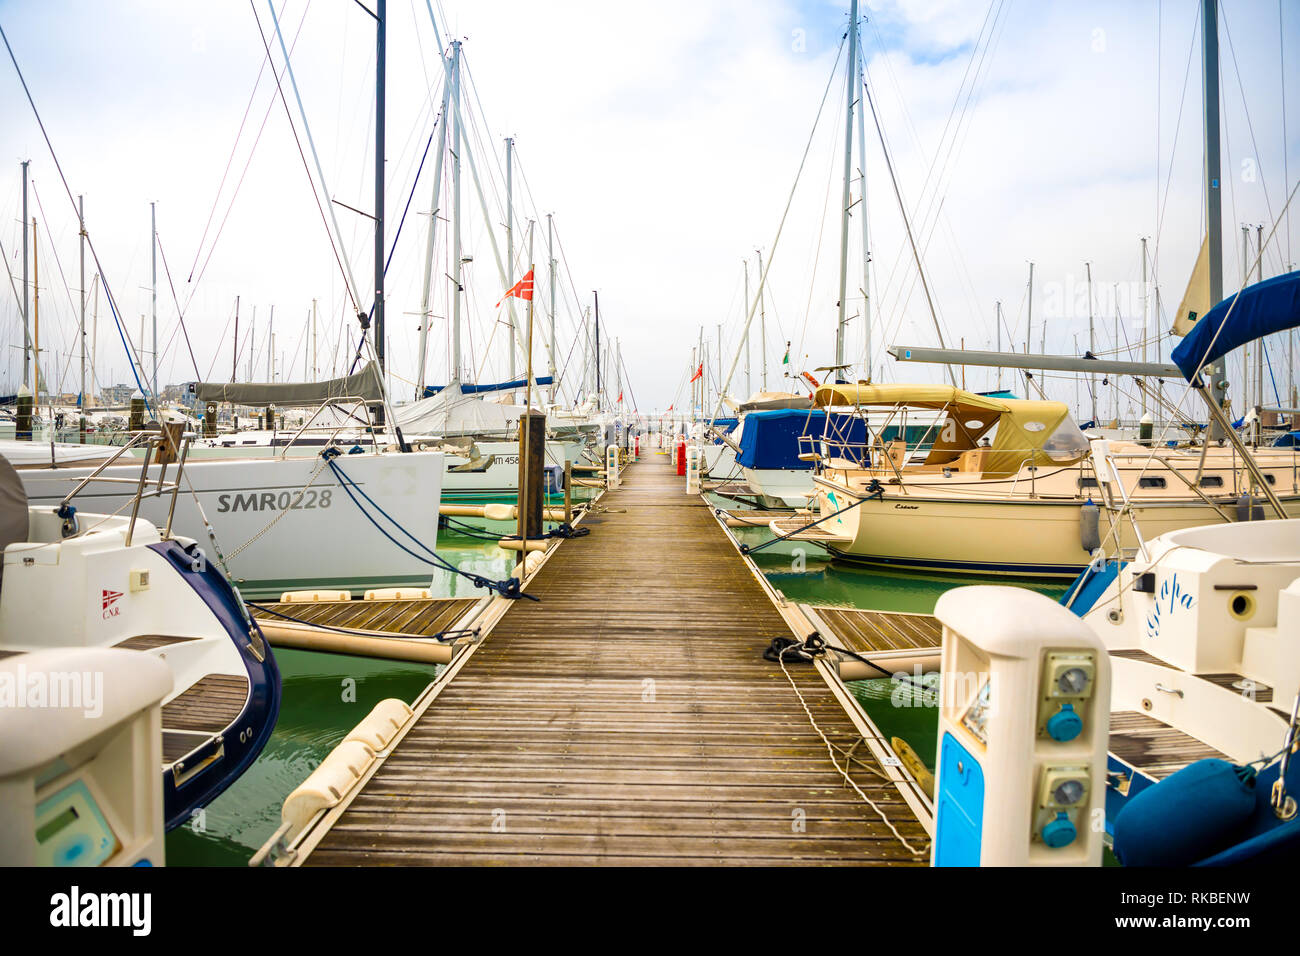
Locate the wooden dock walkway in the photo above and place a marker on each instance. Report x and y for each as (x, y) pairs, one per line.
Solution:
(628, 718)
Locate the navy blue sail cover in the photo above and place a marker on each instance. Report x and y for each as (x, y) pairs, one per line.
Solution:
(770, 440)
(468, 388)
(1261, 309)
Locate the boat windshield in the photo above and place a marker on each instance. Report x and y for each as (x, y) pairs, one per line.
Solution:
(1067, 443)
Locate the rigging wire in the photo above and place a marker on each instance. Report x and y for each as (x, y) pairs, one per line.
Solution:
(340, 255)
(132, 354)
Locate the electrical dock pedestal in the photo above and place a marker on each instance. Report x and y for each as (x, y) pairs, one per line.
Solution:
(1023, 727)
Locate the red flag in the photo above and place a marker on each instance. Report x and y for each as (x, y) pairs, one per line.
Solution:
(670, 408)
(523, 289)
(699, 373)
(620, 397)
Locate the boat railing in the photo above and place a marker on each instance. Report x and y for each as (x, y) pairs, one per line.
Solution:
(161, 448)
(333, 429)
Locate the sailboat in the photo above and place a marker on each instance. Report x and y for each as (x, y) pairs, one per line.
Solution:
(147, 610)
(343, 517)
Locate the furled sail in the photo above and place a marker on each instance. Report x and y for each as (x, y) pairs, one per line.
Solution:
(363, 385)
(1196, 300)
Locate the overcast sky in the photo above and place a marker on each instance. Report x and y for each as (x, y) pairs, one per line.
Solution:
(665, 140)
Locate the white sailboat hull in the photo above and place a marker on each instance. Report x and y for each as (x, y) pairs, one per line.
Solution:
(320, 538)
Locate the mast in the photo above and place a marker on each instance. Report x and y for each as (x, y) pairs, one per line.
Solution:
(1213, 192)
(997, 321)
(1092, 342)
(27, 311)
(851, 73)
(749, 379)
(381, 23)
(620, 358)
(81, 328)
(426, 289)
(866, 239)
(510, 252)
(1029, 321)
(550, 258)
(315, 369)
(252, 343)
(762, 327)
(456, 262)
(596, 296)
(699, 359)
(36, 323)
(528, 359)
(1146, 325)
(234, 346)
(153, 291)
(270, 347)
(1259, 352)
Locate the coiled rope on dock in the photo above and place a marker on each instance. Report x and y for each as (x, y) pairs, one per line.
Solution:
(830, 750)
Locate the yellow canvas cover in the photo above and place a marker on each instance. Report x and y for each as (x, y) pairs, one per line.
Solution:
(1025, 426)
(969, 416)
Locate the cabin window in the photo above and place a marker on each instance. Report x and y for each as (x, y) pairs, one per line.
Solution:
(1211, 481)
(1149, 481)
(1269, 479)
(1088, 483)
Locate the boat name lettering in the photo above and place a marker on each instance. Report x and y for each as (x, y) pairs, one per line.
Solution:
(308, 500)
(907, 507)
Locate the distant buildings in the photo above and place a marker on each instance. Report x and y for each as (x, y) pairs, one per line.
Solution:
(116, 394)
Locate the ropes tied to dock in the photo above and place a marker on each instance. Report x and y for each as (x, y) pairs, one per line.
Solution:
(874, 490)
(509, 588)
(812, 651)
(564, 530)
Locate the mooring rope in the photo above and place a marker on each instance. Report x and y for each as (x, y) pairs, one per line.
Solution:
(875, 490)
(830, 751)
(509, 588)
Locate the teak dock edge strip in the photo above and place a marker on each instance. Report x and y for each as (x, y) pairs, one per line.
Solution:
(486, 615)
(800, 625)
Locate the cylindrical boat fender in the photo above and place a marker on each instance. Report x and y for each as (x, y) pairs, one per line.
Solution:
(1090, 527)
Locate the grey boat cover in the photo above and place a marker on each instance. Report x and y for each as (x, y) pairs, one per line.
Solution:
(364, 385)
(451, 412)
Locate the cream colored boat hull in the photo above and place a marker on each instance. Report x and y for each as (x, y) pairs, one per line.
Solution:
(1033, 537)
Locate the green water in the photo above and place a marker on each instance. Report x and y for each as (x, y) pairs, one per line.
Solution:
(324, 696)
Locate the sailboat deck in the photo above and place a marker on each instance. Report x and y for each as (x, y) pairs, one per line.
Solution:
(627, 718)
(1154, 747)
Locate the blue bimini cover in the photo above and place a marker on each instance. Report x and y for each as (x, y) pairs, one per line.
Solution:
(1262, 309)
(770, 440)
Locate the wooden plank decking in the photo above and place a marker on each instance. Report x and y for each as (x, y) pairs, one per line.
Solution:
(419, 618)
(868, 632)
(627, 718)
